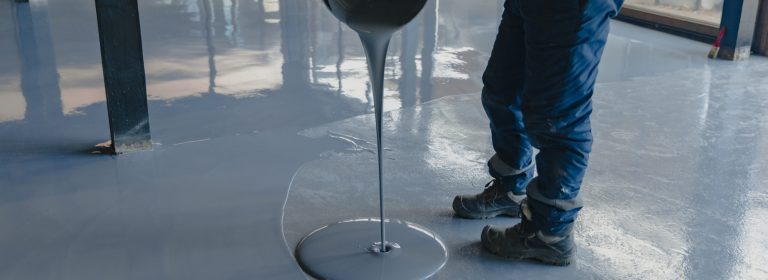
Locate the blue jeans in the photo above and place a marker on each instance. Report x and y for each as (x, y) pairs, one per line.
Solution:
(538, 93)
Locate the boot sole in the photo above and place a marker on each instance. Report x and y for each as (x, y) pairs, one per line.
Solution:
(463, 213)
(551, 260)
(546, 260)
(487, 216)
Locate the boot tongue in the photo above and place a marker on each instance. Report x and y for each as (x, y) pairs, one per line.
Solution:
(525, 210)
(548, 239)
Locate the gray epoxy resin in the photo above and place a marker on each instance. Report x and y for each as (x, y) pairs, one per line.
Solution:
(343, 251)
(349, 250)
(375, 21)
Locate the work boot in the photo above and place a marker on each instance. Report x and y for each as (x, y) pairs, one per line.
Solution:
(519, 242)
(493, 201)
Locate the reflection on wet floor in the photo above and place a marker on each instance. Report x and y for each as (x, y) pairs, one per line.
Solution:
(236, 48)
(246, 92)
(250, 48)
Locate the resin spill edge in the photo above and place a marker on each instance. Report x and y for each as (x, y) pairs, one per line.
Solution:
(342, 251)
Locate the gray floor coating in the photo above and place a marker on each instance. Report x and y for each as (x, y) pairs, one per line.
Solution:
(348, 250)
(677, 186)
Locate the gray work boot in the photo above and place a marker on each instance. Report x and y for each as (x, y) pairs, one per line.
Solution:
(519, 242)
(493, 201)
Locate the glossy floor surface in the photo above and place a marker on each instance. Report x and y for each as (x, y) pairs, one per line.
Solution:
(262, 129)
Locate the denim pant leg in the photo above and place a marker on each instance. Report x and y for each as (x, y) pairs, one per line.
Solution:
(564, 42)
(502, 96)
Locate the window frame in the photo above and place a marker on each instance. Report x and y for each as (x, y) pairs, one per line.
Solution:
(689, 28)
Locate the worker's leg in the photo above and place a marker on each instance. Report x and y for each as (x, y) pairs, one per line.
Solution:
(564, 41)
(502, 95)
(512, 165)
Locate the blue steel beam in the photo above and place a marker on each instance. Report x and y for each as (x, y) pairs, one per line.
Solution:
(739, 18)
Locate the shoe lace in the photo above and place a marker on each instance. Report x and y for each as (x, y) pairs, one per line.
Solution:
(490, 183)
(490, 191)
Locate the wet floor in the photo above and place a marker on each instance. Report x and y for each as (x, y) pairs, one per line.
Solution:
(251, 98)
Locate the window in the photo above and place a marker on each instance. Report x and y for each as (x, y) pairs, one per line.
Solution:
(706, 12)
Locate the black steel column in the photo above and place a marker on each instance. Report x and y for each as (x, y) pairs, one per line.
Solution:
(123, 66)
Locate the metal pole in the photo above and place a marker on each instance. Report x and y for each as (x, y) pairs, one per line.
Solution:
(739, 18)
(123, 65)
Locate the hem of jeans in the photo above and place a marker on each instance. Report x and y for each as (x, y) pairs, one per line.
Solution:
(503, 169)
(562, 204)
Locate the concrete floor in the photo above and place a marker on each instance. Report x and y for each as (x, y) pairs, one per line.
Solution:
(262, 132)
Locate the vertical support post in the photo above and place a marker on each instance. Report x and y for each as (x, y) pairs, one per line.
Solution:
(123, 65)
(739, 21)
(206, 16)
(760, 45)
(39, 73)
(429, 17)
(295, 43)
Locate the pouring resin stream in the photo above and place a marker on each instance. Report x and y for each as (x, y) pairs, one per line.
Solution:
(379, 248)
